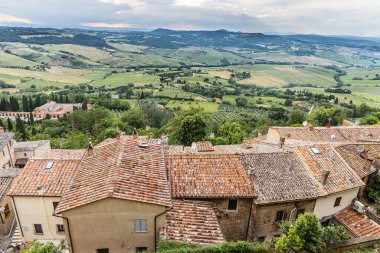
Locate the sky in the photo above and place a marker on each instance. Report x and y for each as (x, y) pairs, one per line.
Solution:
(326, 17)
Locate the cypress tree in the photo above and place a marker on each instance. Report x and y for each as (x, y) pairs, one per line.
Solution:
(25, 104)
(31, 118)
(10, 125)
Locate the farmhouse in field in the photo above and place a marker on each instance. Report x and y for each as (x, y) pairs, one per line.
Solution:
(51, 109)
(126, 193)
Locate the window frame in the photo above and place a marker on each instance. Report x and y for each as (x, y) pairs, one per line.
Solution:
(236, 204)
(55, 204)
(338, 201)
(141, 249)
(103, 250)
(58, 230)
(135, 225)
(35, 229)
(7, 210)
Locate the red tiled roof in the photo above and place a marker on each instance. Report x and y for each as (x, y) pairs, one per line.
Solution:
(202, 176)
(119, 169)
(193, 222)
(61, 154)
(357, 223)
(341, 176)
(361, 163)
(332, 134)
(53, 181)
(204, 146)
(280, 177)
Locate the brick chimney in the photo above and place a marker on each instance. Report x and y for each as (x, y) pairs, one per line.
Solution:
(135, 133)
(325, 175)
(90, 150)
(117, 136)
(282, 141)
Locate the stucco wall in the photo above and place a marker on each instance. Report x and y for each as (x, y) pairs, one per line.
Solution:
(273, 136)
(325, 206)
(6, 221)
(264, 222)
(7, 158)
(109, 223)
(31, 153)
(38, 210)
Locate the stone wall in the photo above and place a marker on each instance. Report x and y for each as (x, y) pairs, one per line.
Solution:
(264, 218)
(233, 223)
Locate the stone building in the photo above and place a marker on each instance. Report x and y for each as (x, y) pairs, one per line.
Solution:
(7, 155)
(7, 214)
(28, 149)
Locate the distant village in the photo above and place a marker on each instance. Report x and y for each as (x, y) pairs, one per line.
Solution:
(128, 192)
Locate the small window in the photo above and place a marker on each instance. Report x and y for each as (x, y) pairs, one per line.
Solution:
(38, 229)
(281, 215)
(55, 204)
(7, 211)
(232, 204)
(261, 239)
(337, 201)
(140, 225)
(141, 249)
(49, 165)
(25, 154)
(315, 150)
(299, 212)
(60, 228)
(102, 251)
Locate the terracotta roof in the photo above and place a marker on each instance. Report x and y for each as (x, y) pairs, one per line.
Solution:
(51, 182)
(360, 162)
(119, 169)
(208, 176)
(280, 177)
(341, 176)
(193, 222)
(29, 145)
(246, 147)
(357, 223)
(204, 146)
(332, 134)
(61, 154)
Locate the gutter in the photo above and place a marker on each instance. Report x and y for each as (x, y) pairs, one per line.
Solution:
(68, 228)
(18, 219)
(155, 226)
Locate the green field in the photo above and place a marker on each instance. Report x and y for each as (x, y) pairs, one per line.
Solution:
(207, 106)
(121, 79)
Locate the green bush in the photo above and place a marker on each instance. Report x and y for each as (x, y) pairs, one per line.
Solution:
(225, 247)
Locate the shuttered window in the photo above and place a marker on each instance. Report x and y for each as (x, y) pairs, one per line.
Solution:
(140, 225)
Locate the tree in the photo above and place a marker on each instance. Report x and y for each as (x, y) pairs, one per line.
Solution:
(288, 102)
(230, 133)
(193, 128)
(25, 104)
(31, 118)
(241, 102)
(306, 234)
(9, 124)
(20, 127)
(49, 247)
(296, 117)
(135, 118)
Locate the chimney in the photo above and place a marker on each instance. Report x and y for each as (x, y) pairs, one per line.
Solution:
(310, 127)
(117, 136)
(90, 150)
(135, 133)
(325, 175)
(376, 163)
(282, 142)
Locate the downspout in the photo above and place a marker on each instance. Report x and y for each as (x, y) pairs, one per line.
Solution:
(18, 219)
(155, 226)
(68, 228)
(249, 221)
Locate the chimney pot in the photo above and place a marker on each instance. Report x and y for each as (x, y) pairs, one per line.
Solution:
(325, 176)
(282, 142)
(135, 133)
(117, 136)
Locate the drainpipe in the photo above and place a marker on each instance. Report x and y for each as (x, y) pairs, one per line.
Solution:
(155, 226)
(249, 221)
(18, 219)
(68, 228)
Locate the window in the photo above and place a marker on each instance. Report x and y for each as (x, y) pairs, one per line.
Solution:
(140, 225)
(337, 201)
(141, 249)
(281, 215)
(38, 229)
(315, 151)
(49, 165)
(102, 250)
(261, 239)
(60, 228)
(232, 204)
(299, 212)
(55, 204)
(7, 211)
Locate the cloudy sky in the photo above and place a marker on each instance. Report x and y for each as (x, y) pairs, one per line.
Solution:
(337, 17)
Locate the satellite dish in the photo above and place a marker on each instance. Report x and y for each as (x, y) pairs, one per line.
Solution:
(361, 149)
(304, 123)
